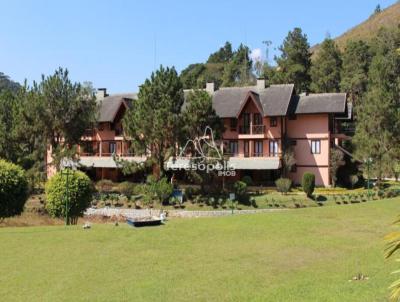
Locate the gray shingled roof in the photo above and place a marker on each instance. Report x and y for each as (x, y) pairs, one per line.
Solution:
(321, 103)
(274, 99)
(110, 105)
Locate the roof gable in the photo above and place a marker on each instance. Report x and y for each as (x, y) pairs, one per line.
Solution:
(110, 106)
(251, 96)
(274, 100)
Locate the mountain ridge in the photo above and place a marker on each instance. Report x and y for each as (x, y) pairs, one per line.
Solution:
(368, 29)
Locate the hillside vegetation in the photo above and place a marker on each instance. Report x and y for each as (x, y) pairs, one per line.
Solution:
(367, 30)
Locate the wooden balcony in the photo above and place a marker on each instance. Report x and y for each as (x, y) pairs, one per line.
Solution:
(252, 131)
(105, 148)
(252, 154)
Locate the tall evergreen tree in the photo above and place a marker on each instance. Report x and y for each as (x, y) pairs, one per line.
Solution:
(153, 122)
(378, 117)
(198, 114)
(326, 68)
(62, 110)
(9, 147)
(295, 61)
(354, 78)
(191, 76)
(223, 55)
(238, 71)
(7, 84)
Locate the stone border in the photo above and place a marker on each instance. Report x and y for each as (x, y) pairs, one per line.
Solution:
(110, 212)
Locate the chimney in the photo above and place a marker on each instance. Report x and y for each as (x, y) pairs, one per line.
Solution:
(101, 94)
(260, 83)
(210, 88)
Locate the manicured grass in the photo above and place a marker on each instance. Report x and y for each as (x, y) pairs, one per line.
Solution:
(299, 255)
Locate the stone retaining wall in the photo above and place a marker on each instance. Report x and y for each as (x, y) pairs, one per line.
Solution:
(109, 212)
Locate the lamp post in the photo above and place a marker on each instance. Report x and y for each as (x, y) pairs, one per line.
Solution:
(368, 161)
(232, 198)
(66, 172)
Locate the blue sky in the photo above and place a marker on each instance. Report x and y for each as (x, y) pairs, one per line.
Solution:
(112, 43)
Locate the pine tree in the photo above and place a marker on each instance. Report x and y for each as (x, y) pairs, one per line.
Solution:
(153, 122)
(191, 74)
(326, 68)
(378, 117)
(238, 70)
(198, 114)
(223, 55)
(354, 78)
(295, 61)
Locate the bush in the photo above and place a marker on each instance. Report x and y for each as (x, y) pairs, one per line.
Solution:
(247, 180)
(308, 183)
(13, 189)
(189, 192)
(240, 189)
(283, 185)
(139, 189)
(354, 180)
(80, 193)
(105, 186)
(161, 189)
(126, 188)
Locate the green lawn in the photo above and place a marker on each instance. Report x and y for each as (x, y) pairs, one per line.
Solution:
(296, 255)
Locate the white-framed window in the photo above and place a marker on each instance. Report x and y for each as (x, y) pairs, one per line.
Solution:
(258, 148)
(246, 148)
(233, 147)
(112, 148)
(273, 148)
(316, 147)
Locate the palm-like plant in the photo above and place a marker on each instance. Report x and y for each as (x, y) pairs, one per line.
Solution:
(393, 245)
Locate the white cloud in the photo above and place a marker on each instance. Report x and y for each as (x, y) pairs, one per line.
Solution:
(256, 54)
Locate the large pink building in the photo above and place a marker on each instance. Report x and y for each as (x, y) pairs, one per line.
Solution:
(260, 122)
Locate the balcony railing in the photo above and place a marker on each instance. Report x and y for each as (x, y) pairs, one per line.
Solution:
(258, 154)
(105, 148)
(254, 129)
(244, 129)
(258, 129)
(231, 154)
(119, 132)
(253, 154)
(105, 154)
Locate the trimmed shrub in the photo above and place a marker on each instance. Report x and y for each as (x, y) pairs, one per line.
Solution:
(189, 192)
(159, 189)
(105, 186)
(13, 189)
(283, 185)
(247, 180)
(240, 188)
(354, 180)
(308, 183)
(126, 188)
(79, 191)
